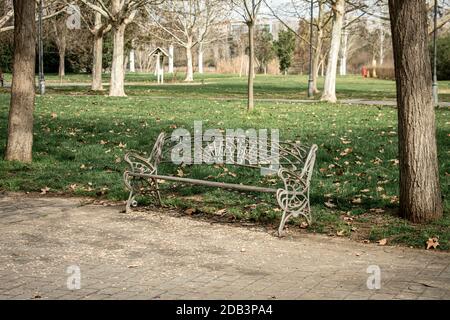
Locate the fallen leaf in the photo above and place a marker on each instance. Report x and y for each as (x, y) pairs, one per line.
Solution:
(340, 233)
(382, 242)
(190, 211)
(303, 225)
(45, 190)
(357, 201)
(432, 243)
(330, 205)
(221, 212)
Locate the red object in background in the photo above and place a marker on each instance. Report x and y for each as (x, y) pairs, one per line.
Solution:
(364, 71)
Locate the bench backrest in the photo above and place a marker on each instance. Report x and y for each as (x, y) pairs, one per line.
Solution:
(289, 155)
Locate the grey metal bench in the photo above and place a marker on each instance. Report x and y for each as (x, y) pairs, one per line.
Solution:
(295, 171)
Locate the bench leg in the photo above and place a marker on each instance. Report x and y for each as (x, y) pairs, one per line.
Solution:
(156, 192)
(285, 217)
(130, 202)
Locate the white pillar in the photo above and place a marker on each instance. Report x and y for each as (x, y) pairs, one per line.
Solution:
(157, 67)
(171, 58)
(132, 66)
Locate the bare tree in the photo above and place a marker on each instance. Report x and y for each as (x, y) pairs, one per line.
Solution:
(329, 90)
(118, 14)
(212, 14)
(60, 36)
(420, 195)
(6, 23)
(98, 27)
(187, 23)
(248, 10)
(20, 121)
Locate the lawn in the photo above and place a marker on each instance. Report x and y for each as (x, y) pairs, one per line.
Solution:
(81, 138)
(232, 86)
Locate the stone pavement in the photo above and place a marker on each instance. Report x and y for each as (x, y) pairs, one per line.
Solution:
(161, 255)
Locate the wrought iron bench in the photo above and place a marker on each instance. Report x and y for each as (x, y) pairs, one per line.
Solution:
(295, 171)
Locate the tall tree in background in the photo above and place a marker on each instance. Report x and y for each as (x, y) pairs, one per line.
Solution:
(60, 35)
(264, 50)
(249, 10)
(284, 48)
(119, 14)
(20, 122)
(420, 195)
(188, 23)
(329, 90)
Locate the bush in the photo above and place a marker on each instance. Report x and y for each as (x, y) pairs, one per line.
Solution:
(443, 57)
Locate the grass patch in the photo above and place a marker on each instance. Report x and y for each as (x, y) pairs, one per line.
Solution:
(80, 141)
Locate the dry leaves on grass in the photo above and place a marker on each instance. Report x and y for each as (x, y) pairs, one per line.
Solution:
(190, 211)
(382, 242)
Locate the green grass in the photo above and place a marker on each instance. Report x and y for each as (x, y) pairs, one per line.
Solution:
(232, 86)
(71, 156)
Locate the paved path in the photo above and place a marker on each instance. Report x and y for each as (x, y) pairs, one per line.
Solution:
(159, 255)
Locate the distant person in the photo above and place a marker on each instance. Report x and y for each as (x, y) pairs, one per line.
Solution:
(364, 72)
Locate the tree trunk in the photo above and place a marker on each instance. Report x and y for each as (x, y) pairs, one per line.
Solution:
(420, 195)
(329, 90)
(171, 56)
(381, 46)
(343, 63)
(316, 60)
(132, 61)
(200, 58)
(20, 121)
(62, 57)
(318, 49)
(251, 68)
(97, 65)
(117, 85)
(189, 63)
(60, 28)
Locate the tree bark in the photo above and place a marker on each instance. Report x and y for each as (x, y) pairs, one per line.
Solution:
(171, 56)
(189, 62)
(316, 60)
(343, 62)
(20, 121)
(200, 58)
(117, 84)
(97, 64)
(251, 60)
(329, 91)
(318, 49)
(60, 28)
(420, 195)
